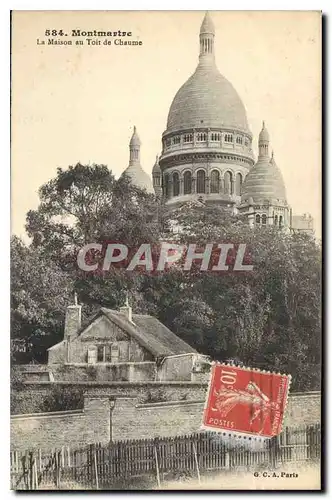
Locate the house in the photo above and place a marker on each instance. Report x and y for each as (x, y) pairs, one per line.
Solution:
(122, 346)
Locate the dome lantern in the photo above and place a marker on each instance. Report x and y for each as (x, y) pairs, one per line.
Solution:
(206, 39)
(263, 142)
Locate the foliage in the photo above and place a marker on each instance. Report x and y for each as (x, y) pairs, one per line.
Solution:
(267, 318)
(57, 399)
(40, 291)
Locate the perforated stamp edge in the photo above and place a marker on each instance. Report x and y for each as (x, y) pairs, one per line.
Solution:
(244, 435)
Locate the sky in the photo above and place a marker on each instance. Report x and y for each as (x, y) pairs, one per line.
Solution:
(79, 103)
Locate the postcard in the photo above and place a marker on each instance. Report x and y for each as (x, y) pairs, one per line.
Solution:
(166, 250)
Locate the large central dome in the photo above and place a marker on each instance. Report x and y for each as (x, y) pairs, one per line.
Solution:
(207, 99)
(206, 147)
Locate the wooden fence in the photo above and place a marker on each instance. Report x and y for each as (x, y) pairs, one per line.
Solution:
(100, 467)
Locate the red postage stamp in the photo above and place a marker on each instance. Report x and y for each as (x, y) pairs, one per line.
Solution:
(246, 401)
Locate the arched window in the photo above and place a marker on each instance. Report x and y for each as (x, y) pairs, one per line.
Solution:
(264, 219)
(176, 184)
(258, 219)
(166, 186)
(215, 181)
(188, 138)
(238, 184)
(156, 179)
(280, 221)
(228, 138)
(276, 220)
(228, 182)
(187, 182)
(201, 137)
(201, 181)
(215, 137)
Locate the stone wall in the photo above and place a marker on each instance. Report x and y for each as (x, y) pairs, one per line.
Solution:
(54, 430)
(132, 420)
(150, 409)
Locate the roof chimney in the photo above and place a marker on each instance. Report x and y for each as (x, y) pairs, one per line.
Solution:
(73, 320)
(126, 310)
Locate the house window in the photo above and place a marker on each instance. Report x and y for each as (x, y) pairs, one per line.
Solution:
(187, 183)
(201, 181)
(239, 140)
(176, 139)
(108, 355)
(215, 137)
(92, 355)
(100, 353)
(258, 219)
(228, 138)
(280, 221)
(176, 184)
(215, 181)
(264, 219)
(115, 353)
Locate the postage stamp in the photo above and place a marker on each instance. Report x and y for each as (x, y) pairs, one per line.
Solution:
(246, 401)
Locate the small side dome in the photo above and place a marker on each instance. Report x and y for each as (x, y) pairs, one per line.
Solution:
(264, 183)
(139, 178)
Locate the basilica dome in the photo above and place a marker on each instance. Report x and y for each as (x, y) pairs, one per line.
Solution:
(207, 99)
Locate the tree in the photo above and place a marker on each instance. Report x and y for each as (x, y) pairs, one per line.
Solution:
(40, 292)
(86, 204)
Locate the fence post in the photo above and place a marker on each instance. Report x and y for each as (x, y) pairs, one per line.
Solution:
(31, 475)
(273, 452)
(156, 460)
(35, 474)
(196, 463)
(57, 470)
(95, 467)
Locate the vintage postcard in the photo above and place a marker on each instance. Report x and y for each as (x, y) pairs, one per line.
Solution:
(166, 250)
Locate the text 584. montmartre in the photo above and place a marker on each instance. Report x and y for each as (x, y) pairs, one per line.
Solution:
(78, 32)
